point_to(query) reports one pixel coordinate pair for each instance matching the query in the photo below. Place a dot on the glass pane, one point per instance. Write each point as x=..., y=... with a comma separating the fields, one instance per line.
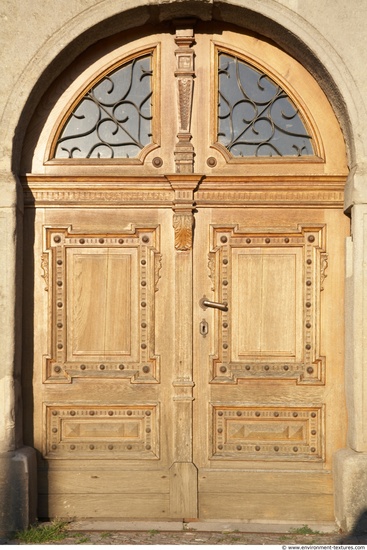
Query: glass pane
x=113, y=120
x=256, y=118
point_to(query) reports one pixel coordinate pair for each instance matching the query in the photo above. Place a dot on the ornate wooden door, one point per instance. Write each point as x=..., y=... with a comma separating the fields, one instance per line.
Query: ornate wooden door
x=184, y=349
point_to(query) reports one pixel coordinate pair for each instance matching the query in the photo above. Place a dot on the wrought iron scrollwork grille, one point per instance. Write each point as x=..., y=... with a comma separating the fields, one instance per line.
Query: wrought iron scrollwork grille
x=256, y=118
x=113, y=119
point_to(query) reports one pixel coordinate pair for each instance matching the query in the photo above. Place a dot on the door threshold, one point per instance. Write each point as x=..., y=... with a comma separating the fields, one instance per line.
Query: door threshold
x=241, y=526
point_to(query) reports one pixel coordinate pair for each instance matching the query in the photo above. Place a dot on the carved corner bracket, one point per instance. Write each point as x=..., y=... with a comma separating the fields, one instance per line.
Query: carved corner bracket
x=184, y=73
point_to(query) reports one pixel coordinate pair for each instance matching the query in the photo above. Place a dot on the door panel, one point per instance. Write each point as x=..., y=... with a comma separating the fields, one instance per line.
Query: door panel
x=272, y=380
x=103, y=421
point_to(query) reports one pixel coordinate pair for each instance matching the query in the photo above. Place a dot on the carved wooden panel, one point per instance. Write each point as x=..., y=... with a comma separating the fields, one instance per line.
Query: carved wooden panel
x=267, y=433
x=272, y=284
x=101, y=302
x=94, y=431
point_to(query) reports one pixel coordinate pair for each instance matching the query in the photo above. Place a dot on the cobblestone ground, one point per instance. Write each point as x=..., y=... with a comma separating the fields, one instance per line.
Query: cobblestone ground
x=201, y=538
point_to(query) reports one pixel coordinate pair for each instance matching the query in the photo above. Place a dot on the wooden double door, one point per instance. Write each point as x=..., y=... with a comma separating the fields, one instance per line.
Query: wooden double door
x=181, y=383
x=183, y=307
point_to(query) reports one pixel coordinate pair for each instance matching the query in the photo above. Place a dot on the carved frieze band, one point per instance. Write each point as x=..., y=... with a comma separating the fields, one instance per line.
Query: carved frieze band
x=184, y=150
x=72, y=354
x=305, y=246
x=91, y=431
x=267, y=433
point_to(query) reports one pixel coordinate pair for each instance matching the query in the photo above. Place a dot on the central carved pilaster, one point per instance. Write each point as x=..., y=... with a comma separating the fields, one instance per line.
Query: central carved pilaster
x=184, y=150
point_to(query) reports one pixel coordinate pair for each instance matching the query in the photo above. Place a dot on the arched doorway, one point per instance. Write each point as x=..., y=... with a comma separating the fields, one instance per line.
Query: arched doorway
x=188, y=266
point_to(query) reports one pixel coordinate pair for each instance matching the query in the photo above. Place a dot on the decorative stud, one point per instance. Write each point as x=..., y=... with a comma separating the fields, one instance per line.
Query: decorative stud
x=308, y=304
x=310, y=370
x=129, y=413
x=313, y=432
x=72, y=447
x=220, y=447
x=239, y=447
x=82, y=241
x=295, y=449
x=148, y=447
x=72, y=413
x=102, y=367
x=129, y=447
x=57, y=369
x=313, y=450
x=101, y=241
x=57, y=239
x=286, y=240
x=148, y=413
x=53, y=447
x=110, y=413
x=248, y=241
x=145, y=239
x=239, y=413
x=211, y=162
x=308, y=346
x=311, y=239
x=257, y=413
x=276, y=414
x=308, y=325
x=295, y=414
x=157, y=162
x=257, y=448
x=309, y=261
x=225, y=282
x=225, y=261
x=220, y=413
x=59, y=346
x=143, y=304
x=91, y=447
x=54, y=413
x=121, y=367
x=224, y=239
x=59, y=325
x=143, y=262
x=286, y=367
x=143, y=346
x=267, y=240
x=313, y=415
x=146, y=369
x=91, y=413
x=59, y=304
x=143, y=325
x=308, y=283
x=83, y=367
x=220, y=430
x=276, y=448
x=266, y=367
x=225, y=346
x=225, y=325
x=110, y=447
x=121, y=241
x=223, y=369
x=59, y=262
x=54, y=430
x=148, y=430
x=143, y=283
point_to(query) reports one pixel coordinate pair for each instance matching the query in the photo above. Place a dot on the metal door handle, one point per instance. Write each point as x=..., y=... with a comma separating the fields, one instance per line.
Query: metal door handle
x=204, y=303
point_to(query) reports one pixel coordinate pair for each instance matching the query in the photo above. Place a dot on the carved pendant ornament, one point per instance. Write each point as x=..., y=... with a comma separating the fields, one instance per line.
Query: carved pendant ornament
x=183, y=224
x=184, y=150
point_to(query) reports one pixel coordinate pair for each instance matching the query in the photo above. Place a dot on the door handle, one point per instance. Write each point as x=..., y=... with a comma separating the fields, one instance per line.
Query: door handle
x=204, y=303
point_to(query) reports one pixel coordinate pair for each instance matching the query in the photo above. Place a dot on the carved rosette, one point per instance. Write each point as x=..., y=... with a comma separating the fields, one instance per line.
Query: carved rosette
x=184, y=150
